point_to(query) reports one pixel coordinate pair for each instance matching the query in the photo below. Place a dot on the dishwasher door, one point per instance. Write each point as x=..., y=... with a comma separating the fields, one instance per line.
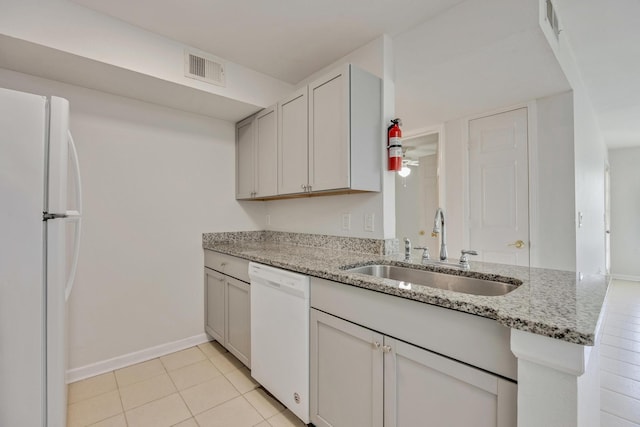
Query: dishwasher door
x=280, y=335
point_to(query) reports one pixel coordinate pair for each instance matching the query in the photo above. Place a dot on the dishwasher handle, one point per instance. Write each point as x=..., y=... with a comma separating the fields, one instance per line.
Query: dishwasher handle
x=281, y=280
x=281, y=287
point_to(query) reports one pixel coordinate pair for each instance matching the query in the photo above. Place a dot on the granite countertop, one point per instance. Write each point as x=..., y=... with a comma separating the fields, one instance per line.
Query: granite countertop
x=552, y=303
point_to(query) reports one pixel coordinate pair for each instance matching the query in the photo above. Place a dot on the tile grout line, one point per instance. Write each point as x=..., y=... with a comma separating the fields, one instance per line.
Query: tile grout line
x=621, y=417
x=180, y=394
x=616, y=360
x=620, y=393
x=617, y=313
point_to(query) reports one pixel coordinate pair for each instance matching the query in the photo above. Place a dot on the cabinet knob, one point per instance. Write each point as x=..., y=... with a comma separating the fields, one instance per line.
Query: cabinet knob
x=386, y=348
x=376, y=345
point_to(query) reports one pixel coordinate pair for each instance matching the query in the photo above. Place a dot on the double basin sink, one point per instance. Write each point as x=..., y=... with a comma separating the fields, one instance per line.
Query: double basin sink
x=408, y=276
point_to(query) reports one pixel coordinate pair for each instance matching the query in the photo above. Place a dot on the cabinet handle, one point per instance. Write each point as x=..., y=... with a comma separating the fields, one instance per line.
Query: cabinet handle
x=386, y=348
x=221, y=279
x=376, y=345
x=304, y=187
x=309, y=188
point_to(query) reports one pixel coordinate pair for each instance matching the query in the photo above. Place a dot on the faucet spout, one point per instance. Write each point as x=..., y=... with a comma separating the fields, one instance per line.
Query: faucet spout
x=440, y=228
x=407, y=249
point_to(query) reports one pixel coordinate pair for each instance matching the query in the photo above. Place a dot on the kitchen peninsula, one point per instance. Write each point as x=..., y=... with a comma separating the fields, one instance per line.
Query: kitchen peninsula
x=551, y=320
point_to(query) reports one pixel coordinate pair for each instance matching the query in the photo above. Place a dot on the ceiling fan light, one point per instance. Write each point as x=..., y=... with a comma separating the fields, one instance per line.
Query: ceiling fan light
x=404, y=172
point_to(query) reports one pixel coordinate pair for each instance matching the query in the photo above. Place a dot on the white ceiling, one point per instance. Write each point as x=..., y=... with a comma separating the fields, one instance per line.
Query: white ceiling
x=605, y=39
x=475, y=57
x=453, y=58
x=286, y=39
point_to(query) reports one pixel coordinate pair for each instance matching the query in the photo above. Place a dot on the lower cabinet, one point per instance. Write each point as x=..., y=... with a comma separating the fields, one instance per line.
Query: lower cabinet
x=228, y=313
x=214, y=298
x=346, y=377
x=360, y=377
x=237, y=337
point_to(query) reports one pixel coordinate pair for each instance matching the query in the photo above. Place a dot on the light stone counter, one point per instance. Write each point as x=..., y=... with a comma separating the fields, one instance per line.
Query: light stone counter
x=551, y=303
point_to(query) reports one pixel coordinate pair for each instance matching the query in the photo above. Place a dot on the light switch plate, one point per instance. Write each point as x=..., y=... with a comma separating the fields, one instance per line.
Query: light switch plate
x=346, y=221
x=369, y=220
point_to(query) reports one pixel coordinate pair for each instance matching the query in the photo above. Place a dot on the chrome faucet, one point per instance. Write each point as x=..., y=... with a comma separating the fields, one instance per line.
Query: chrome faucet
x=439, y=228
x=407, y=249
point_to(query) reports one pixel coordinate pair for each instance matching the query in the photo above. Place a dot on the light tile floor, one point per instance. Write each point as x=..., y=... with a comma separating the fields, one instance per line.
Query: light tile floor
x=202, y=386
x=620, y=357
x=205, y=386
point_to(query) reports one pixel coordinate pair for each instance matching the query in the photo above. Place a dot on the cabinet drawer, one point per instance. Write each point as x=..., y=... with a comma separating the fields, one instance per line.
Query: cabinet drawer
x=227, y=264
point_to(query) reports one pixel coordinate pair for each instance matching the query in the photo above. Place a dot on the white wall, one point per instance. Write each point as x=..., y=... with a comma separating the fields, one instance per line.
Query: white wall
x=590, y=157
x=553, y=227
x=154, y=180
x=551, y=181
x=625, y=212
x=58, y=23
x=323, y=215
x=590, y=165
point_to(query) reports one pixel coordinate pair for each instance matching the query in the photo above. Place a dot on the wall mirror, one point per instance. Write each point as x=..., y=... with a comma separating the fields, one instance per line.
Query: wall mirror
x=417, y=190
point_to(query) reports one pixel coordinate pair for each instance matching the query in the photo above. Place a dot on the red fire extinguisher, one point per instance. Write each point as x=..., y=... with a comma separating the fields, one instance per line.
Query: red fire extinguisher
x=394, y=145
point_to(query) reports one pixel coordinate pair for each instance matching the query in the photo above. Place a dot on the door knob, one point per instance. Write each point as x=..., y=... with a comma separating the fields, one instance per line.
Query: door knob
x=519, y=244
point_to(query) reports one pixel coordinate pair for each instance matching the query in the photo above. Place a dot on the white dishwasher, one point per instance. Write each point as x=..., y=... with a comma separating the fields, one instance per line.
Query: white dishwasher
x=280, y=335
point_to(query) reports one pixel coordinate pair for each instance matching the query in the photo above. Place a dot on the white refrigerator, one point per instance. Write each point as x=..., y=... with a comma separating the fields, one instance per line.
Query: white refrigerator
x=39, y=240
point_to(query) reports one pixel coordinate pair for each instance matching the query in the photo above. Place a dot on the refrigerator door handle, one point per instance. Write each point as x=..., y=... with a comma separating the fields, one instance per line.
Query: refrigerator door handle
x=75, y=216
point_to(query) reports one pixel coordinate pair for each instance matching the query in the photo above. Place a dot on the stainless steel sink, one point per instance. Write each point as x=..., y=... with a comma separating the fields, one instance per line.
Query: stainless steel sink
x=408, y=276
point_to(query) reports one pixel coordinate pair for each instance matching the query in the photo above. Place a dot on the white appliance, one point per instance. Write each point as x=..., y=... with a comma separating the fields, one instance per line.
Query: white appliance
x=280, y=335
x=36, y=275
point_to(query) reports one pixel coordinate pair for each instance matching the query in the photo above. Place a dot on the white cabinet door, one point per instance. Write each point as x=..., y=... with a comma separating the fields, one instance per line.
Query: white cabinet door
x=293, y=158
x=214, y=298
x=346, y=377
x=245, y=158
x=266, y=152
x=329, y=125
x=238, y=320
x=426, y=389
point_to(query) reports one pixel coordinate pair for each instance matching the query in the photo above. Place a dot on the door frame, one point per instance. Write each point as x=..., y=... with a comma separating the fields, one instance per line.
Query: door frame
x=607, y=218
x=532, y=154
x=440, y=174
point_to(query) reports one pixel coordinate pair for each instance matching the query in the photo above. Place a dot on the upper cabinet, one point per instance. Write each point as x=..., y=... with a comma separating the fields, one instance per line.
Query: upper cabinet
x=345, y=131
x=293, y=149
x=256, y=155
x=329, y=138
x=266, y=150
x=245, y=164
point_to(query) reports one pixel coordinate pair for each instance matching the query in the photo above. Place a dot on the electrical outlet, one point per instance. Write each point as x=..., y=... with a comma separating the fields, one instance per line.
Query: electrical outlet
x=346, y=221
x=369, y=220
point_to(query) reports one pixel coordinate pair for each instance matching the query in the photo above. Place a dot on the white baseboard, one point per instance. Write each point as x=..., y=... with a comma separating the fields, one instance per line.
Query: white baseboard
x=108, y=365
x=626, y=277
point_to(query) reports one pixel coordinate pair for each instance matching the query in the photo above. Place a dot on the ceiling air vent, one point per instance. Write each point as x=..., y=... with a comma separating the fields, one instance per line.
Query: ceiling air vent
x=552, y=19
x=203, y=67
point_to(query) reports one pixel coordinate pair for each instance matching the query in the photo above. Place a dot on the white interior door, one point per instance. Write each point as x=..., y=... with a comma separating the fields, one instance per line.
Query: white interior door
x=499, y=188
